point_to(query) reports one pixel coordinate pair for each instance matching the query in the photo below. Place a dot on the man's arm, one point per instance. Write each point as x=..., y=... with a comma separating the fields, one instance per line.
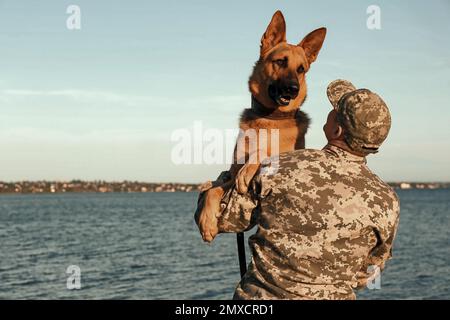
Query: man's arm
x=377, y=258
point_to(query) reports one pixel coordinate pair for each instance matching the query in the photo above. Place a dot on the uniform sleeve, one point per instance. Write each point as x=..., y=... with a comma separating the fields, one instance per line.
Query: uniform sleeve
x=240, y=211
x=382, y=252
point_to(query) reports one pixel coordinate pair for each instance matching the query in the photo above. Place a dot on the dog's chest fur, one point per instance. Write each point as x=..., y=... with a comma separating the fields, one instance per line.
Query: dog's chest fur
x=291, y=131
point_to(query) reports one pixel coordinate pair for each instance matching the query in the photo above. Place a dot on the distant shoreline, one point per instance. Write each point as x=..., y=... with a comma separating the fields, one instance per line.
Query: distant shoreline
x=78, y=186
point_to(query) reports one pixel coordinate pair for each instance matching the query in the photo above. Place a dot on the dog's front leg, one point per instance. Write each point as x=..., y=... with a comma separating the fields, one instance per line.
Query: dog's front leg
x=207, y=222
x=211, y=210
x=247, y=172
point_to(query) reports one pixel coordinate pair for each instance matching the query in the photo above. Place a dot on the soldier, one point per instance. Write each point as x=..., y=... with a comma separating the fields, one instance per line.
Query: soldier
x=323, y=217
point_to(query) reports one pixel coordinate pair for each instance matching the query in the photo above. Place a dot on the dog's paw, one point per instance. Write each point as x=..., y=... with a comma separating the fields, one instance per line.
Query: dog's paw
x=209, y=232
x=208, y=219
x=244, y=176
x=208, y=226
x=241, y=184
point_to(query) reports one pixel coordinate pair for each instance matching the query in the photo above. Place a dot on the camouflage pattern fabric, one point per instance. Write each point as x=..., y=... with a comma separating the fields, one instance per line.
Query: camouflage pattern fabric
x=362, y=113
x=337, y=89
x=323, y=217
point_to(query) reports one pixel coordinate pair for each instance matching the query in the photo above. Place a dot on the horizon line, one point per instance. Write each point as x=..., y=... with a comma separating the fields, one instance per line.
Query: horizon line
x=172, y=182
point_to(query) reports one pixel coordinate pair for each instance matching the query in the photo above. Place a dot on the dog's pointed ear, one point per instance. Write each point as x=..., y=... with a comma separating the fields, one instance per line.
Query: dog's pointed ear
x=275, y=33
x=312, y=43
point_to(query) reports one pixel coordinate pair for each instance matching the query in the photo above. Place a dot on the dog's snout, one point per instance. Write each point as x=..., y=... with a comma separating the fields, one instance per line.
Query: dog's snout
x=283, y=91
x=290, y=88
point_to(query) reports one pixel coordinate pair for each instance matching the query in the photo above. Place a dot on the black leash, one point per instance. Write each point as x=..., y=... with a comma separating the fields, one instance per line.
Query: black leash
x=241, y=253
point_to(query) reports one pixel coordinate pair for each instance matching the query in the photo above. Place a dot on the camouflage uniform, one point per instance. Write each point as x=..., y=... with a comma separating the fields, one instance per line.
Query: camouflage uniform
x=323, y=217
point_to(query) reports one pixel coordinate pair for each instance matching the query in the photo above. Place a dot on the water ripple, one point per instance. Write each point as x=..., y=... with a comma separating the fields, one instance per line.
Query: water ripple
x=146, y=246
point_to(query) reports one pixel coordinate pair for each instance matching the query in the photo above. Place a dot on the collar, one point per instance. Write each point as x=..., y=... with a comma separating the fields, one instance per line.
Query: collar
x=274, y=114
x=343, y=154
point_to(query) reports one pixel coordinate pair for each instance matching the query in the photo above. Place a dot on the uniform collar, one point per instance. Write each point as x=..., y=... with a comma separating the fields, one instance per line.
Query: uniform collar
x=341, y=153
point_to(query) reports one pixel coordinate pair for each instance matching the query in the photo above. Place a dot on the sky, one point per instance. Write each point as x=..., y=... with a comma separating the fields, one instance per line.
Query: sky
x=102, y=102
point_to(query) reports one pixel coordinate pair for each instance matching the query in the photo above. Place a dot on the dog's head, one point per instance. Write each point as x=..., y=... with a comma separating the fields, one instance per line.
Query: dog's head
x=278, y=78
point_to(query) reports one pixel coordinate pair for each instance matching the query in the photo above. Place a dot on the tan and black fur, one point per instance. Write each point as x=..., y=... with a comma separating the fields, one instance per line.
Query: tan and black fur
x=278, y=88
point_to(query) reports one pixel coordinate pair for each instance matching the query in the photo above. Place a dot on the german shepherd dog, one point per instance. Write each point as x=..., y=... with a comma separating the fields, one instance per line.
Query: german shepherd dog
x=278, y=88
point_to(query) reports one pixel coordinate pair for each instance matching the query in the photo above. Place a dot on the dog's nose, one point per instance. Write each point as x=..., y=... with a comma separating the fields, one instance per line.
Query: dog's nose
x=291, y=88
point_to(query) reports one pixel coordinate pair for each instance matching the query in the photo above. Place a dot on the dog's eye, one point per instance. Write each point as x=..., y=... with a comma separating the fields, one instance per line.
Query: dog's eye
x=301, y=69
x=281, y=62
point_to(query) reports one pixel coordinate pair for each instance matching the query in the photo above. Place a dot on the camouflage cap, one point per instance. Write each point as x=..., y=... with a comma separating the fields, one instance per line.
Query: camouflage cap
x=337, y=89
x=364, y=116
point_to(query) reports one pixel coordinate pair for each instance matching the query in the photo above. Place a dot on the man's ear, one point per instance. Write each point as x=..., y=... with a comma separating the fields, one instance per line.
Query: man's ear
x=339, y=132
x=312, y=43
x=275, y=33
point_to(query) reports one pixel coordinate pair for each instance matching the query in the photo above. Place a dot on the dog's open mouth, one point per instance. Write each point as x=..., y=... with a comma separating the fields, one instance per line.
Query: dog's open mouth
x=283, y=100
x=279, y=97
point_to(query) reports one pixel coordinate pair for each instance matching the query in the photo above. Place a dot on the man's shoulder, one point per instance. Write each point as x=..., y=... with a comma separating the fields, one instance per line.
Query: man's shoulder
x=381, y=199
x=385, y=191
x=305, y=158
x=375, y=183
x=288, y=162
x=303, y=154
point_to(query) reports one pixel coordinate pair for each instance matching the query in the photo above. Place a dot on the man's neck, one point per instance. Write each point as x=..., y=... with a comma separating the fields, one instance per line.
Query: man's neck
x=344, y=146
